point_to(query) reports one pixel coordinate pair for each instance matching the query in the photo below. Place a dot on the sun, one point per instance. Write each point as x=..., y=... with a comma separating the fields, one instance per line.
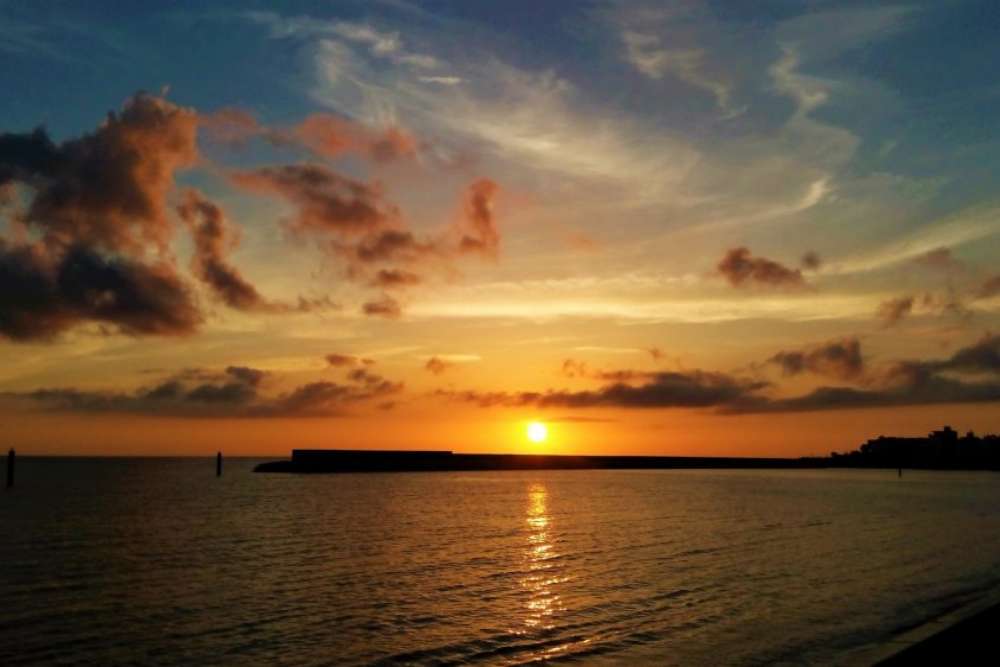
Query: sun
x=537, y=432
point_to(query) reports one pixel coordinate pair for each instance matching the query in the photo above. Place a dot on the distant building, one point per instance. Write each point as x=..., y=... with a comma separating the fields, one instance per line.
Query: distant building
x=941, y=449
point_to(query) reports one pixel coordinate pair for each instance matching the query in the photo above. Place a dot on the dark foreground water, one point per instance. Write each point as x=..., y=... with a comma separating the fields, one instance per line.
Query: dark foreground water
x=157, y=562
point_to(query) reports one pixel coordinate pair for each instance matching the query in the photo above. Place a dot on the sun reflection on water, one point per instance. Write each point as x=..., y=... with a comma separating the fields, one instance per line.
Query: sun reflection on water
x=542, y=575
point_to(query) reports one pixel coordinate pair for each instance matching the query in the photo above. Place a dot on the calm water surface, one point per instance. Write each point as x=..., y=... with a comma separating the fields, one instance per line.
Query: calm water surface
x=158, y=562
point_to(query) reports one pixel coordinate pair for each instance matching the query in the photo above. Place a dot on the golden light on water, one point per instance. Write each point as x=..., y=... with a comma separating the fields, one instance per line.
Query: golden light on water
x=540, y=581
x=537, y=432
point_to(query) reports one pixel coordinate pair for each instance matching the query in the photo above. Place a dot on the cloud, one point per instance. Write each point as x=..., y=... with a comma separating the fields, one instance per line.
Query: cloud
x=481, y=233
x=385, y=307
x=811, y=261
x=892, y=311
x=646, y=53
x=42, y=295
x=213, y=239
x=905, y=382
x=573, y=368
x=442, y=80
x=940, y=259
x=840, y=359
x=382, y=44
x=233, y=393
x=989, y=288
x=341, y=360
x=664, y=390
x=327, y=201
x=94, y=208
x=739, y=267
x=106, y=189
x=395, y=278
x=982, y=356
x=437, y=366
x=390, y=245
x=332, y=136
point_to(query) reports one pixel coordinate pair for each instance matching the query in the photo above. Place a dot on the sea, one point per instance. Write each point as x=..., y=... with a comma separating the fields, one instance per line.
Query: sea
x=157, y=562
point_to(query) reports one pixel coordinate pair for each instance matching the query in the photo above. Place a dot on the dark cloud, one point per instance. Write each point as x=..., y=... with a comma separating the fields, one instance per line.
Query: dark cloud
x=106, y=189
x=313, y=304
x=982, y=356
x=579, y=369
x=395, y=278
x=664, y=390
x=213, y=238
x=989, y=288
x=892, y=311
x=905, y=382
x=42, y=296
x=95, y=206
x=811, y=260
x=232, y=393
x=249, y=376
x=480, y=234
x=437, y=366
x=739, y=267
x=389, y=245
x=341, y=360
x=327, y=202
x=840, y=359
x=947, y=302
x=384, y=307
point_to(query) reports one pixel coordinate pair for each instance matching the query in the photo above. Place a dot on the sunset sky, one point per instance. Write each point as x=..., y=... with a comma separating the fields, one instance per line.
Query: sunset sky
x=706, y=228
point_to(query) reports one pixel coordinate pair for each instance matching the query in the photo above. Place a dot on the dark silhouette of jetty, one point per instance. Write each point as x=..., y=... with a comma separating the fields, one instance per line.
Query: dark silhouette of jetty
x=940, y=450
x=358, y=460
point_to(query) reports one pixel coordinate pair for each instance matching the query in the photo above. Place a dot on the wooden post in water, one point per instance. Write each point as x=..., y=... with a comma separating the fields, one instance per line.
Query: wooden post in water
x=218, y=464
x=10, y=467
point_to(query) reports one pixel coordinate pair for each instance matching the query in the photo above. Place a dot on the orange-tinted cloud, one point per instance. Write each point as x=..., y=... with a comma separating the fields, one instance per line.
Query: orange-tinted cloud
x=322, y=134
x=213, y=239
x=98, y=204
x=385, y=307
x=395, y=278
x=480, y=234
x=106, y=189
x=326, y=201
x=332, y=136
x=437, y=366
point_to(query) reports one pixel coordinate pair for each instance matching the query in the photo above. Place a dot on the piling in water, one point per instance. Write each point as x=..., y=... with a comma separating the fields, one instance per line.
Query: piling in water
x=10, y=467
x=218, y=464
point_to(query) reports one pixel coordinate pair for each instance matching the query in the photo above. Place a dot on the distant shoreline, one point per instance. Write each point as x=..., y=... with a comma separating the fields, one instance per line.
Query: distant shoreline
x=309, y=461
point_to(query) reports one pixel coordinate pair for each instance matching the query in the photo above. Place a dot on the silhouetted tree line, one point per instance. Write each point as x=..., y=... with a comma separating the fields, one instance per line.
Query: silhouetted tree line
x=940, y=450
